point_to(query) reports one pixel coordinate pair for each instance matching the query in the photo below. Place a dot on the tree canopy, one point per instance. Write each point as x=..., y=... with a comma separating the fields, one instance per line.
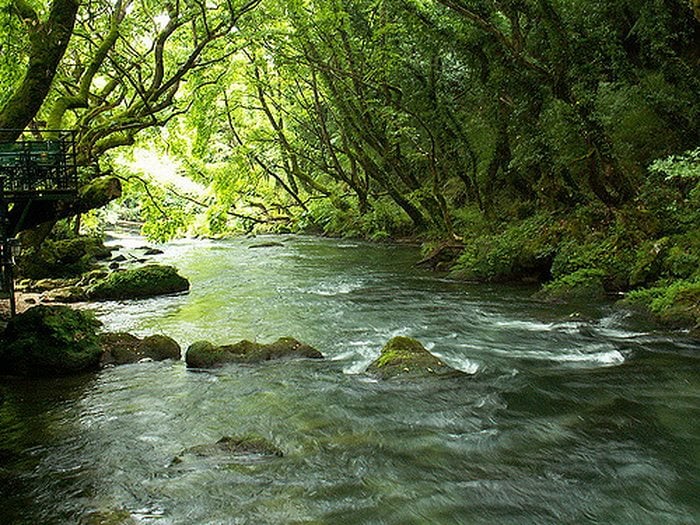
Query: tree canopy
x=374, y=117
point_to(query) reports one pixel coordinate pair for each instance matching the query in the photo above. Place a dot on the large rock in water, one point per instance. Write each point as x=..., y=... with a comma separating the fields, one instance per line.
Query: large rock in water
x=50, y=341
x=146, y=281
x=204, y=354
x=120, y=348
x=407, y=356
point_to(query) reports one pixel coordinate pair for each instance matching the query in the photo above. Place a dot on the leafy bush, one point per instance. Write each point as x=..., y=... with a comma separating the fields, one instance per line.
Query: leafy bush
x=582, y=284
x=675, y=304
x=340, y=217
x=524, y=251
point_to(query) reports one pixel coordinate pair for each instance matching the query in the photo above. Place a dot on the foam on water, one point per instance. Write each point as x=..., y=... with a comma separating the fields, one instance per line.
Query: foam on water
x=330, y=289
x=602, y=354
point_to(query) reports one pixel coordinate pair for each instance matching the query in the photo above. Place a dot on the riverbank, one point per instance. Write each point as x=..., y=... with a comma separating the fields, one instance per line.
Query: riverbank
x=23, y=302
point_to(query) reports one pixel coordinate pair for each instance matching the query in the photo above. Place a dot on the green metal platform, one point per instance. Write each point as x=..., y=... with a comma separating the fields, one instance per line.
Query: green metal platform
x=39, y=166
x=32, y=168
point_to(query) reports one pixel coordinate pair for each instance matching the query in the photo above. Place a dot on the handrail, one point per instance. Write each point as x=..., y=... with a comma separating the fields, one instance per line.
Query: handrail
x=31, y=165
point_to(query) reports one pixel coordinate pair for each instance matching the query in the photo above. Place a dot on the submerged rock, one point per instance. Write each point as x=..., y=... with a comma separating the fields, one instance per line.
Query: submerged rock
x=50, y=341
x=407, y=356
x=695, y=332
x=108, y=517
x=204, y=354
x=267, y=244
x=241, y=447
x=119, y=348
x=147, y=281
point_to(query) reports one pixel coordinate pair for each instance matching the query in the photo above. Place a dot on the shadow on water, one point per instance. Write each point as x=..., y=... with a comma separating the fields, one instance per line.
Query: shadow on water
x=34, y=415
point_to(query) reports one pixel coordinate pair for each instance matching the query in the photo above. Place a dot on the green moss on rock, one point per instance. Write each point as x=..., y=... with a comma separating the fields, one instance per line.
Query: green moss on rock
x=50, y=341
x=68, y=294
x=108, y=517
x=44, y=285
x=147, y=281
x=62, y=258
x=160, y=347
x=120, y=348
x=204, y=354
x=407, y=356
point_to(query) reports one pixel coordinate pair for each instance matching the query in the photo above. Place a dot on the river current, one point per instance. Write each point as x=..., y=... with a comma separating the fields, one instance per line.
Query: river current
x=576, y=414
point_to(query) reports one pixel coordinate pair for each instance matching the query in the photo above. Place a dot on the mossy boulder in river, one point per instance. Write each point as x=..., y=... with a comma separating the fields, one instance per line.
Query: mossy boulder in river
x=676, y=305
x=67, y=294
x=407, y=356
x=50, y=341
x=108, y=517
x=120, y=348
x=204, y=354
x=148, y=281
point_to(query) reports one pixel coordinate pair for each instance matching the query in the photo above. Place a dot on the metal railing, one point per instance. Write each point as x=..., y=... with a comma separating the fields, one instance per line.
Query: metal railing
x=39, y=165
x=36, y=165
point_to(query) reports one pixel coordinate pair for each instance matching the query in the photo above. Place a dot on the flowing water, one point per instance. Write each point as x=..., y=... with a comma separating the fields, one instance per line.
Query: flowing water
x=564, y=415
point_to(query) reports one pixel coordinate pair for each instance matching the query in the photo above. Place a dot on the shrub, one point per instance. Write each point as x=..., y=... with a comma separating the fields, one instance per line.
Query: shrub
x=675, y=304
x=585, y=284
x=50, y=341
x=524, y=251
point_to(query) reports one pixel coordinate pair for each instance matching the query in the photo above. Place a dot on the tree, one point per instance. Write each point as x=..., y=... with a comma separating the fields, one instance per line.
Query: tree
x=126, y=72
x=48, y=40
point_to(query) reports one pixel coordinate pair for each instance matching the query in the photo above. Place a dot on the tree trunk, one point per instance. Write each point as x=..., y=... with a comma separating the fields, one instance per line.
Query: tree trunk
x=48, y=41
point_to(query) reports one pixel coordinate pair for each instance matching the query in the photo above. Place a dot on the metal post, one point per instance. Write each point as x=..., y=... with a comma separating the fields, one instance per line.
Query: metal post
x=11, y=287
x=6, y=249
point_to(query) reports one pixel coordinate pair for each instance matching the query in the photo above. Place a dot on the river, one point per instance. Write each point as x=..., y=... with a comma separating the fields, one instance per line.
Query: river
x=576, y=414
